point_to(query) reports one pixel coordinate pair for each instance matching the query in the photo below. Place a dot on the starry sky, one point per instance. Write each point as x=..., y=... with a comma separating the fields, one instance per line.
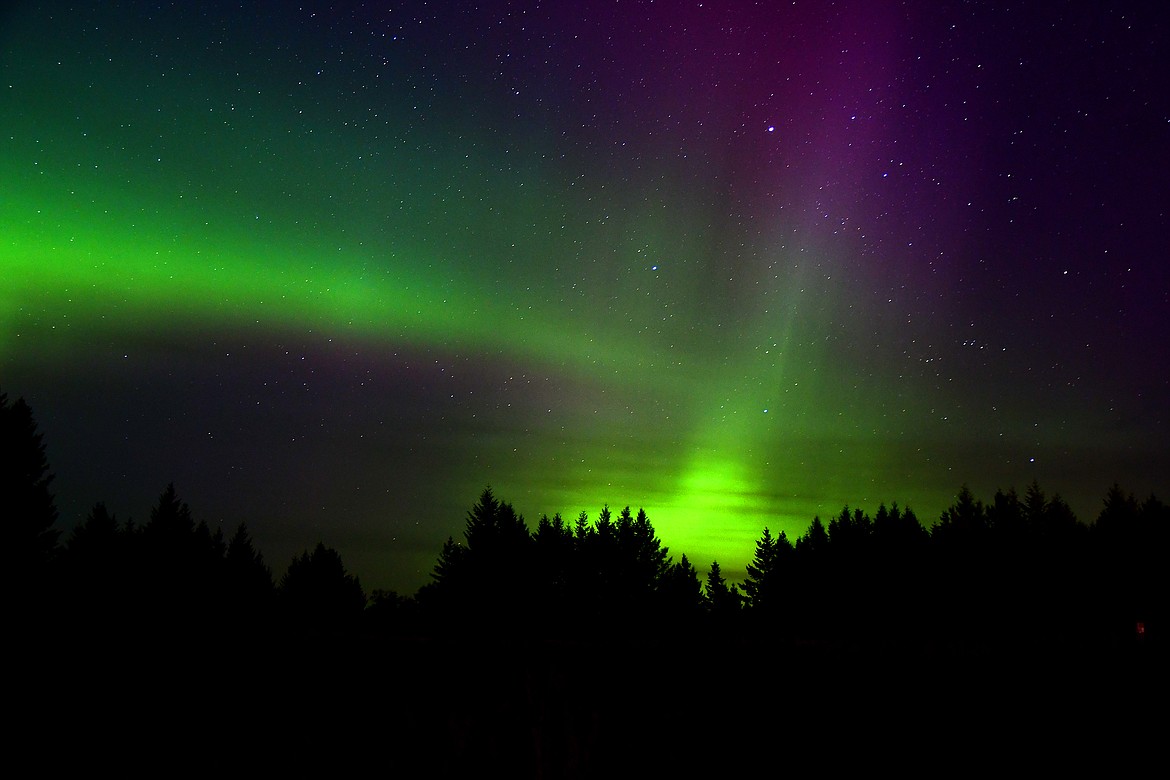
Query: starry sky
x=334, y=268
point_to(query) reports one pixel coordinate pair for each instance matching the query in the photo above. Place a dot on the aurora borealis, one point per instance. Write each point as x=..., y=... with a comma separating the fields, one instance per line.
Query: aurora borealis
x=333, y=269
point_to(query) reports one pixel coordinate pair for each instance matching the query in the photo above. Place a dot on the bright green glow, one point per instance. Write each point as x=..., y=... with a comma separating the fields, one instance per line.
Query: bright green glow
x=715, y=488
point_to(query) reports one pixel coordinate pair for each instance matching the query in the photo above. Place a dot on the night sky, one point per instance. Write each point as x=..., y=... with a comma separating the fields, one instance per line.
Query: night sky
x=334, y=269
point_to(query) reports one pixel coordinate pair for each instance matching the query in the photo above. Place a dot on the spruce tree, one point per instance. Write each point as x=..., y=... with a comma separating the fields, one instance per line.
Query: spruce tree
x=722, y=601
x=763, y=574
x=318, y=591
x=26, y=504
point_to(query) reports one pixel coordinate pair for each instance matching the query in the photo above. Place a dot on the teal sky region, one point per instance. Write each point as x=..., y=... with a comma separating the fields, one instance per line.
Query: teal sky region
x=332, y=269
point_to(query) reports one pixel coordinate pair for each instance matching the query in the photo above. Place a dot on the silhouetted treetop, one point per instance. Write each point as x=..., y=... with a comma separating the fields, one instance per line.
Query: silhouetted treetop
x=681, y=590
x=170, y=519
x=815, y=540
x=96, y=534
x=493, y=526
x=963, y=518
x=318, y=588
x=1120, y=514
x=895, y=527
x=26, y=504
x=244, y=566
x=723, y=601
x=450, y=569
x=763, y=585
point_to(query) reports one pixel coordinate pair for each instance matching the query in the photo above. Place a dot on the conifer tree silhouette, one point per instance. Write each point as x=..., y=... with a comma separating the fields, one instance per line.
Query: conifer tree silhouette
x=169, y=561
x=483, y=581
x=94, y=536
x=27, y=506
x=723, y=601
x=763, y=588
x=552, y=552
x=318, y=593
x=682, y=593
x=170, y=524
x=98, y=570
x=247, y=580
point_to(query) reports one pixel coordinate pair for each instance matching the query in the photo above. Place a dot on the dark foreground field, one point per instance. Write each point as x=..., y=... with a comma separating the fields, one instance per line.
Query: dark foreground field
x=429, y=708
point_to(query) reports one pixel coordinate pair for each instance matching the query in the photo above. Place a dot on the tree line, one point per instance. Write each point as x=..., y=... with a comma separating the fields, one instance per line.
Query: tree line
x=1020, y=568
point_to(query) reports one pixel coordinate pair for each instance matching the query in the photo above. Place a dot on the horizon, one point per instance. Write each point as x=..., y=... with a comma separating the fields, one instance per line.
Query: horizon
x=732, y=570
